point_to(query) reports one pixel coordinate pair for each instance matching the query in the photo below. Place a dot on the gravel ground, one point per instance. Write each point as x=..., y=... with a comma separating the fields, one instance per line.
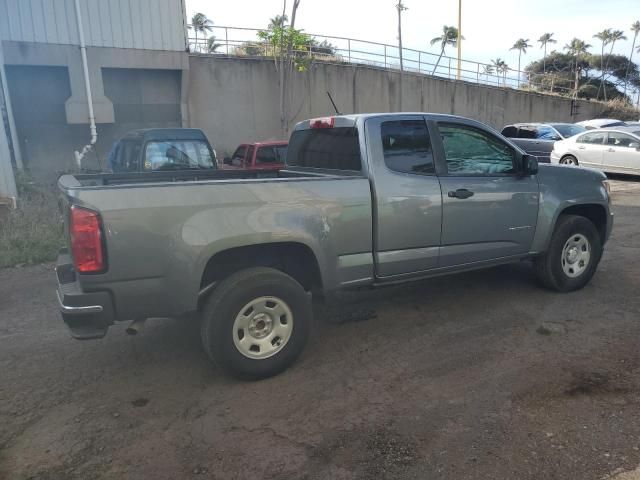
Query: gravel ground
x=481, y=375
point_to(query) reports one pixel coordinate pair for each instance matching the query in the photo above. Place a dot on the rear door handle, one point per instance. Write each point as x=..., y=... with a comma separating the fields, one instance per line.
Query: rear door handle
x=461, y=193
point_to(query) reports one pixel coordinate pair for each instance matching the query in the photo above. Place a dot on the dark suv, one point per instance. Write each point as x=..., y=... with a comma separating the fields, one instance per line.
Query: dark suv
x=538, y=138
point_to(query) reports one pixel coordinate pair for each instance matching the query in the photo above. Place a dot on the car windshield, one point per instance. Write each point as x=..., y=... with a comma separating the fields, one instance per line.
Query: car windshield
x=568, y=130
x=178, y=155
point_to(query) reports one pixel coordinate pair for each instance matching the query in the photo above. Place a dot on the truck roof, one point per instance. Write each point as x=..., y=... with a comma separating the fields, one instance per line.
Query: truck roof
x=149, y=134
x=268, y=143
x=350, y=120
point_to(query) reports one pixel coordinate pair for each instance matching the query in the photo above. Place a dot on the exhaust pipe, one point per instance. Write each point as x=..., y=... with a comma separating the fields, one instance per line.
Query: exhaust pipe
x=136, y=326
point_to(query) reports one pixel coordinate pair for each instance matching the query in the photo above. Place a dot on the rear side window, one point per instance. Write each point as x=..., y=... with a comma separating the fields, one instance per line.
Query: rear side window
x=510, y=131
x=528, y=131
x=266, y=155
x=330, y=148
x=407, y=146
x=125, y=156
x=596, y=138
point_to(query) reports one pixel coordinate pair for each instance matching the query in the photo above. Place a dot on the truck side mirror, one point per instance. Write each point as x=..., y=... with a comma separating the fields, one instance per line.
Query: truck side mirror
x=635, y=145
x=529, y=165
x=226, y=161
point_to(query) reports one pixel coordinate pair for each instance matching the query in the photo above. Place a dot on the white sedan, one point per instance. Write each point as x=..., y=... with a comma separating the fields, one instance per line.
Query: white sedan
x=609, y=150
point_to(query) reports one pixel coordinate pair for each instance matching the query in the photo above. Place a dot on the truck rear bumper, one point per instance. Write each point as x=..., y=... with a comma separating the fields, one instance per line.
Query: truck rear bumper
x=87, y=314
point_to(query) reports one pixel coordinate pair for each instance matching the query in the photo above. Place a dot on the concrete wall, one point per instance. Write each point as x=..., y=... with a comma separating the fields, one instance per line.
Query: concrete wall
x=140, y=98
x=140, y=24
x=235, y=100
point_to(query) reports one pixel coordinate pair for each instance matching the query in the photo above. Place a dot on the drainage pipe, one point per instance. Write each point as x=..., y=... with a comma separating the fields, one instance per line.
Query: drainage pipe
x=87, y=84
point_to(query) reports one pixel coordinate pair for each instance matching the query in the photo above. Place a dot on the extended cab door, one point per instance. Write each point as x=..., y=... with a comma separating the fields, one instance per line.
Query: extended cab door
x=407, y=196
x=489, y=209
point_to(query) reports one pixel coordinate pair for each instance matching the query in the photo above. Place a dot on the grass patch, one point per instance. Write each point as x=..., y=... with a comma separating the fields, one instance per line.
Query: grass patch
x=32, y=233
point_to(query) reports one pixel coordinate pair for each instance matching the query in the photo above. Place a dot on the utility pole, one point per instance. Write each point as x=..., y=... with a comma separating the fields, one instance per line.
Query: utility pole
x=459, y=37
x=400, y=8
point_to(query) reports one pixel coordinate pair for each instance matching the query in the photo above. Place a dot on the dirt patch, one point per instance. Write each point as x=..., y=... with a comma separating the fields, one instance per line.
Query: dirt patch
x=596, y=383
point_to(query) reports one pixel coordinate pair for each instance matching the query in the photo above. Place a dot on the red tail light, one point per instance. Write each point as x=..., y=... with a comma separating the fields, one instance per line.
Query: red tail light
x=324, y=122
x=86, y=241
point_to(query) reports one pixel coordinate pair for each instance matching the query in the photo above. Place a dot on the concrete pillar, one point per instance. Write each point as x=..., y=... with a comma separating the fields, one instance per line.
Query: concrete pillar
x=4, y=91
x=7, y=180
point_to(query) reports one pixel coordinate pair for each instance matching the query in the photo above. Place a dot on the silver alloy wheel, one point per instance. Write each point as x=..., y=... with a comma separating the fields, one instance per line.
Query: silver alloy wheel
x=570, y=161
x=576, y=255
x=263, y=327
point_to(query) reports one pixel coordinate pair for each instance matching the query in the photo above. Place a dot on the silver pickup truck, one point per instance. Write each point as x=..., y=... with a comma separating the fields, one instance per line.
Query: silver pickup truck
x=365, y=201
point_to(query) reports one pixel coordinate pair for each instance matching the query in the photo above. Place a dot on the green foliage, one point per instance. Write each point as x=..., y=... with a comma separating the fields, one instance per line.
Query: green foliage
x=33, y=232
x=279, y=38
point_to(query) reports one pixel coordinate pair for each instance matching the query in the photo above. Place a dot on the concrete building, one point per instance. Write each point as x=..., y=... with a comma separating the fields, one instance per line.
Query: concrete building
x=137, y=64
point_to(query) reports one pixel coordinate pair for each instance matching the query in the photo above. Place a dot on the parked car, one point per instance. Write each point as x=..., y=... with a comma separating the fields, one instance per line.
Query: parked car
x=158, y=149
x=609, y=150
x=601, y=123
x=538, y=138
x=367, y=201
x=258, y=156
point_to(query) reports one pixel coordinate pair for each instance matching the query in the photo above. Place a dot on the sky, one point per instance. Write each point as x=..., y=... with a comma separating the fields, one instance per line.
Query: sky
x=490, y=27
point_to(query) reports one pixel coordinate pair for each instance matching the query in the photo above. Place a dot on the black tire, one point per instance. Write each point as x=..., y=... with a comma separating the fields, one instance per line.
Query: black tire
x=565, y=160
x=227, y=301
x=549, y=267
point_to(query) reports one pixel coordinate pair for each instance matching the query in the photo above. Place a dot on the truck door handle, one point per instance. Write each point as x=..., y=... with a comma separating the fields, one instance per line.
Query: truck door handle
x=611, y=149
x=581, y=147
x=460, y=193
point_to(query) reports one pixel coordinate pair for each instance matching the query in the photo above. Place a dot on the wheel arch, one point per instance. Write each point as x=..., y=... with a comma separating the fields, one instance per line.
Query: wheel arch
x=292, y=258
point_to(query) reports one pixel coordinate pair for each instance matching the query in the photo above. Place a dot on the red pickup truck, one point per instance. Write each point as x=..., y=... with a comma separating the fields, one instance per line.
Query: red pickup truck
x=258, y=156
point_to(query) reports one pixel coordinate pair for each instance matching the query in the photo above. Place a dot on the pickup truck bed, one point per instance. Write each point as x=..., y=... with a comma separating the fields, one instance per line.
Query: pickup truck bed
x=367, y=200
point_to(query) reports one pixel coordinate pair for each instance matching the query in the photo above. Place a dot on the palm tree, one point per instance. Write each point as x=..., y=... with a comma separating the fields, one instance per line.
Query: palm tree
x=200, y=23
x=615, y=36
x=487, y=70
x=449, y=37
x=544, y=39
x=212, y=46
x=277, y=22
x=501, y=68
x=635, y=28
x=521, y=45
x=605, y=38
x=577, y=48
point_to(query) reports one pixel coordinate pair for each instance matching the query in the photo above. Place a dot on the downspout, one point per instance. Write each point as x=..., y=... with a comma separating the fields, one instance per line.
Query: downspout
x=87, y=84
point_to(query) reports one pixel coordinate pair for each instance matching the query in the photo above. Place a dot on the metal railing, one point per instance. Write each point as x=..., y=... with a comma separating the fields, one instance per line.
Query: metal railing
x=245, y=42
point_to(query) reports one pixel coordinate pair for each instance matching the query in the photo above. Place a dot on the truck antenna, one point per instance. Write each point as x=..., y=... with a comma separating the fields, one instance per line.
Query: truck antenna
x=334, y=104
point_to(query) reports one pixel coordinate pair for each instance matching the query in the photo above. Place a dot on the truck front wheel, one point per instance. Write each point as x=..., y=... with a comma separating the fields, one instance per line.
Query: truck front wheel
x=573, y=255
x=256, y=323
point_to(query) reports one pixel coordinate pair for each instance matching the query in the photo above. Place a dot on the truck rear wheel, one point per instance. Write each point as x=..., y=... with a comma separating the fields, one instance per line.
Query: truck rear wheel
x=573, y=255
x=256, y=323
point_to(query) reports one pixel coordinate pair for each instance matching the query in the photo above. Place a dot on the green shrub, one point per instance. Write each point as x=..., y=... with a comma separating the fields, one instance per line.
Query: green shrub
x=33, y=232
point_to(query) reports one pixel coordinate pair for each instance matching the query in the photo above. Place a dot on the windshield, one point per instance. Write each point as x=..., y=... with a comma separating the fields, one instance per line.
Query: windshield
x=178, y=155
x=568, y=130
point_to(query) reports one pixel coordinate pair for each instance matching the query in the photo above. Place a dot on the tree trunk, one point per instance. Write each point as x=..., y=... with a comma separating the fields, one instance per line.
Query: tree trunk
x=604, y=87
x=601, y=71
x=438, y=61
x=286, y=94
x=519, y=55
x=626, y=76
x=544, y=60
x=283, y=129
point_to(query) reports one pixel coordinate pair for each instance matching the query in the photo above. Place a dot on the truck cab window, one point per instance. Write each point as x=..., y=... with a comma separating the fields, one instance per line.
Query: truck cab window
x=407, y=146
x=266, y=155
x=471, y=151
x=176, y=155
